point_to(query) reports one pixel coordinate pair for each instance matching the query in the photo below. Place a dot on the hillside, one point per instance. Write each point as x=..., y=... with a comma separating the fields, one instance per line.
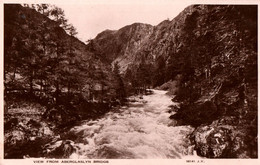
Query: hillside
x=49, y=56
x=51, y=79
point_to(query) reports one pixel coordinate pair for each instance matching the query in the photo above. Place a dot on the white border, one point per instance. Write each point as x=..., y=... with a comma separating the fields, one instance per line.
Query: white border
x=121, y=161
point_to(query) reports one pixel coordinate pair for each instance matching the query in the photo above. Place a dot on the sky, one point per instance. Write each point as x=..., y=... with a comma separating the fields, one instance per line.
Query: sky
x=93, y=18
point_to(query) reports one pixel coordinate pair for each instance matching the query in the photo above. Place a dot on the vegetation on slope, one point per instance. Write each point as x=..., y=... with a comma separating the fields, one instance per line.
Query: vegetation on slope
x=51, y=79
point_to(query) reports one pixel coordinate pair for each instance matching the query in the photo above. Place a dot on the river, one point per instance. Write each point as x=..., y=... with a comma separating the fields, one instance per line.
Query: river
x=141, y=130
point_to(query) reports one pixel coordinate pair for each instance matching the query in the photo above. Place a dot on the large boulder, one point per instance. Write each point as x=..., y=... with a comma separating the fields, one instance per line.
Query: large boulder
x=224, y=139
x=59, y=149
x=212, y=142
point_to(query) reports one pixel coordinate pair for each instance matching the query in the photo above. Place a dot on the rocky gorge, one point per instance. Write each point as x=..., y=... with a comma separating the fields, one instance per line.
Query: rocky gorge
x=209, y=54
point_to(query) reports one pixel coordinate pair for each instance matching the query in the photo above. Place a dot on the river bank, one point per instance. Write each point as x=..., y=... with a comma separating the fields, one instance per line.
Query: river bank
x=29, y=126
x=141, y=129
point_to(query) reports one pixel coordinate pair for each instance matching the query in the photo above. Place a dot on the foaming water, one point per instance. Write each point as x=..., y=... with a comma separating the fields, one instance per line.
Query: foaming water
x=141, y=130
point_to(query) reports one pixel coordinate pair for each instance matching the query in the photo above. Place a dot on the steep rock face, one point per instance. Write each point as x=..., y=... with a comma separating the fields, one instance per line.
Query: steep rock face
x=222, y=59
x=129, y=44
x=122, y=45
x=198, y=23
x=220, y=68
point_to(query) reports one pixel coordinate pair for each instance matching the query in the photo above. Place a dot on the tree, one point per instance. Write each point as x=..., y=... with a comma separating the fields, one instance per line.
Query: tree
x=44, y=9
x=188, y=55
x=119, y=85
x=58, y=15
x=70, y=68
x=59, y=60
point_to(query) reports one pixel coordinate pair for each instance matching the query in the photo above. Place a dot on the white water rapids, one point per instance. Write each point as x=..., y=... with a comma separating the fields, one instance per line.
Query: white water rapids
x=138, y=131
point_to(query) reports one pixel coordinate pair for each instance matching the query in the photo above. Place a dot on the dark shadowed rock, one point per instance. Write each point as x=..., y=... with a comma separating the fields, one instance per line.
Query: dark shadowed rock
x=196, y=114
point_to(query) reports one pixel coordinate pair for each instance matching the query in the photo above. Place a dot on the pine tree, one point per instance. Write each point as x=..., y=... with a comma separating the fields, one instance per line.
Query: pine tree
x=119, y=85
x=60, y=46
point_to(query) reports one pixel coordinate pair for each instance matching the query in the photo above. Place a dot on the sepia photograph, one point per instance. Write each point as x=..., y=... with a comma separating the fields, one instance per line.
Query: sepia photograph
x=128, y=80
